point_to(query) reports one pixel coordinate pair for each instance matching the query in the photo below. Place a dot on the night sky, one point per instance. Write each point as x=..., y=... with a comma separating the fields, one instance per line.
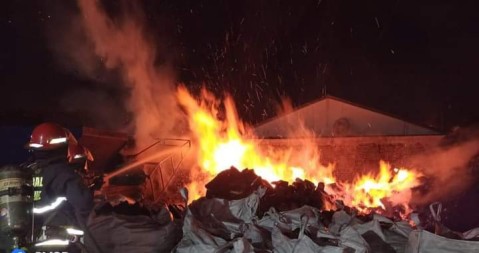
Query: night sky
x=414, y=59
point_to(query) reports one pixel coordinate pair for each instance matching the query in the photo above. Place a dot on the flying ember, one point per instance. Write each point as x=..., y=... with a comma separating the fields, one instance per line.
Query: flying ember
x=225, y=142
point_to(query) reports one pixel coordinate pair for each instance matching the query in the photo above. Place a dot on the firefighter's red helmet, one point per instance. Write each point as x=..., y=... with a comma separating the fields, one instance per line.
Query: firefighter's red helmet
x=48, y=136
x=78, y=153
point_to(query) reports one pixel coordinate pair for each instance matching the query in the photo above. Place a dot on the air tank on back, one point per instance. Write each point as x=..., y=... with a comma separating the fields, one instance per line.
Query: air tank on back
x=15, y=203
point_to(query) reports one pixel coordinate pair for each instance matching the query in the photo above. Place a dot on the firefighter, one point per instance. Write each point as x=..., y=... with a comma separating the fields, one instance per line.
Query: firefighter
x=61, y=198
x=80, y=158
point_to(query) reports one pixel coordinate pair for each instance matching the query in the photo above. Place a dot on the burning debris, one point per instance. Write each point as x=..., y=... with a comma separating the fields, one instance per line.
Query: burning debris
x=287, y=201
x=235, y=224
x=229, y=142
x=290, y=202
x=241, y=212
x=232, y=185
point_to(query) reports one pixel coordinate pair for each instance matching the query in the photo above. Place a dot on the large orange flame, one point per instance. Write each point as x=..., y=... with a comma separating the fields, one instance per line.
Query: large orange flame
x=370, y=191
x=228, y=142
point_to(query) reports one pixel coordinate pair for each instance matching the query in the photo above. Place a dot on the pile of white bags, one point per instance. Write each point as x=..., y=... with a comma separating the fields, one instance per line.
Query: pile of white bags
x=219, y=225
x=423, y=241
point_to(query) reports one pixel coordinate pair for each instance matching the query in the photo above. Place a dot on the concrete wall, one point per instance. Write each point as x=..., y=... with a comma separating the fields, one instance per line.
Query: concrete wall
x=359, y=155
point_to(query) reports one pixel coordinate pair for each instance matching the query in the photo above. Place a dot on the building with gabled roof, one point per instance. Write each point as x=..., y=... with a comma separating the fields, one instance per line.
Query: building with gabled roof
x=331, y=116
x=353, y=137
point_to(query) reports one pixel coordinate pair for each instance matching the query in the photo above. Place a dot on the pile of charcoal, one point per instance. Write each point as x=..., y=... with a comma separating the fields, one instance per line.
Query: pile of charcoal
x=234, y=184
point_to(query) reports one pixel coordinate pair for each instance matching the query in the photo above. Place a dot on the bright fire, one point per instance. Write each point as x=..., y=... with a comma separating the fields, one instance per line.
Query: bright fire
x=228, y=142
x=370, y=191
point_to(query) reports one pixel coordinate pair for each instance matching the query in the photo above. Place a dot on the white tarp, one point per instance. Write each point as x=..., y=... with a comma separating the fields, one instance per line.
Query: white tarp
x=218, y=225
x=422, y=241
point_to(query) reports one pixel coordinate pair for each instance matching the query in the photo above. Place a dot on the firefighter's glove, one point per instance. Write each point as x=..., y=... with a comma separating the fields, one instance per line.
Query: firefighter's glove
x=97, y=183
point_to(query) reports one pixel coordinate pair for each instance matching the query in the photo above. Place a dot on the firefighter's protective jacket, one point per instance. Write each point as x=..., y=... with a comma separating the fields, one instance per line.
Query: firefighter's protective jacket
x=56, y=179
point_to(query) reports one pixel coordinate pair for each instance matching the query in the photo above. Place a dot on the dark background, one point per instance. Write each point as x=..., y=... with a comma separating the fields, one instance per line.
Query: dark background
x=414, y=59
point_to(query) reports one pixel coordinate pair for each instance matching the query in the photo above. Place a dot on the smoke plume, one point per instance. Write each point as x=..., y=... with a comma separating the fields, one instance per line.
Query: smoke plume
x=97, y=107
x=123, y=45
x=448, y=169
x=102, y=47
